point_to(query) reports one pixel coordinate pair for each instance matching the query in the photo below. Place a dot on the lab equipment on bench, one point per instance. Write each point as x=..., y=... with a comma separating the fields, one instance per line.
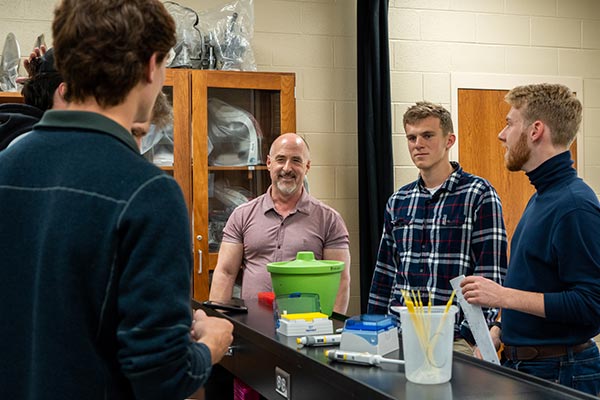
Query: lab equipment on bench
x=303, y=324
x=360, y=358
x=477, y=324
x=371, y=333
x=427, y=338
x=319, y=340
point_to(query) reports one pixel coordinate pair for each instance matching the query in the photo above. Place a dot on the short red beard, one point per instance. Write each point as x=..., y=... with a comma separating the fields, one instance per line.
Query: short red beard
x=519, y=154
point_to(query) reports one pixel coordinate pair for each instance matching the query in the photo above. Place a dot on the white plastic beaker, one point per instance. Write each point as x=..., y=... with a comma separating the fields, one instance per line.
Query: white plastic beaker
x=427, y=338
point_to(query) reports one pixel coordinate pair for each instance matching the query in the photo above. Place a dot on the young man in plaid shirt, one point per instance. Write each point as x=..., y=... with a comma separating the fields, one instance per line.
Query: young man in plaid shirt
x=445, y=224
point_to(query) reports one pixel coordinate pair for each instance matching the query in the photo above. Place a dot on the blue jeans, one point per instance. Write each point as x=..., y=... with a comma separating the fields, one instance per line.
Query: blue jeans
x=579, y=371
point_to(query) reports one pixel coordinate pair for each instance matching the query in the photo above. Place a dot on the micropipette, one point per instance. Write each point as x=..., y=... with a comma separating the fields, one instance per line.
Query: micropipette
x=360, y=358
x=318, y=340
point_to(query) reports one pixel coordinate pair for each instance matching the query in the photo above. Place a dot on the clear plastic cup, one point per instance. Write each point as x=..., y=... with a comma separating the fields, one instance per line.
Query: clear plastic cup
x=427, y=339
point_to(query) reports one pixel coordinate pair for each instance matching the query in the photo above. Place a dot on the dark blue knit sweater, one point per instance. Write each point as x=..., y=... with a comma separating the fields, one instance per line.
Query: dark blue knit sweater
x=15, y=120
x=95, y=266
x=556, y=251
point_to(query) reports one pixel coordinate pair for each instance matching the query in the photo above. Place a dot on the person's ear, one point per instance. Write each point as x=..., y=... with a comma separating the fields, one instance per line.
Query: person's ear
x=450, y=140
x=58, y=98
x=62, y=89
x=538, y=130
x=152, y=68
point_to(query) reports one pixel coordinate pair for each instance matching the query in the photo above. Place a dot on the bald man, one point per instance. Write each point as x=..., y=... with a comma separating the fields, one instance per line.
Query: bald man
x=275, y=226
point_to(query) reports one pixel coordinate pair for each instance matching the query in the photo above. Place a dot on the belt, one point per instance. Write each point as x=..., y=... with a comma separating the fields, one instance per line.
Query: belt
x=524, y=353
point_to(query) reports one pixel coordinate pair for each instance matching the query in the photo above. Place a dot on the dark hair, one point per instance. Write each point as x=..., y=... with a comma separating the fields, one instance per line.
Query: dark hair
x=103, y=47
x=44, y=79
x=425, y=109
x=38, y=91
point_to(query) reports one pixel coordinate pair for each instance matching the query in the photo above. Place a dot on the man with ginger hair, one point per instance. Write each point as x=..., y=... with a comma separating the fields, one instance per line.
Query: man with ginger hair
x=95, y=242
x=551, y=296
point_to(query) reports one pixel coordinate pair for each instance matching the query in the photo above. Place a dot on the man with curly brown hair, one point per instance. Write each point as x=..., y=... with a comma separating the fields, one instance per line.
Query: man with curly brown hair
x=95, y=242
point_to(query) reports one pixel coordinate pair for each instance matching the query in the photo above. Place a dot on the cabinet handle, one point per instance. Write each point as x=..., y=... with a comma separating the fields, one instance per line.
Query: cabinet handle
x=199, y=238
x=199, y=262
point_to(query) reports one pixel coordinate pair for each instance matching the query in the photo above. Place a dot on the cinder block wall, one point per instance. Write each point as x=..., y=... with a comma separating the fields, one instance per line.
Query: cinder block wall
x=429, y=39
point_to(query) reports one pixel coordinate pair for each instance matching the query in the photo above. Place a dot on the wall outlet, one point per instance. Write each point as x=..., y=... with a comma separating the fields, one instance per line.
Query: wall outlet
x=283, y=383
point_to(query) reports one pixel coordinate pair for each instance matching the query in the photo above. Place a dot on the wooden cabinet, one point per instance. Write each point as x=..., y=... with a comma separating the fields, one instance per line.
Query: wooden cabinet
x=11, y=97
x=177, y=88
x=224, y=124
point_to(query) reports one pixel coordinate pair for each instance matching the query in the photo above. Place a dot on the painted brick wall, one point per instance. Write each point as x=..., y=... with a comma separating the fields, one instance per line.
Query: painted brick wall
x=430, y=39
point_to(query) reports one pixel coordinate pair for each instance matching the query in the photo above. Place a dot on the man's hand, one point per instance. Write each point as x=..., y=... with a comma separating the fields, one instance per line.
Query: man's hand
x=487, y=293
x=216, y=333
x=482, y=291
x=31, y=62
x=495, y=334
x=36, y=54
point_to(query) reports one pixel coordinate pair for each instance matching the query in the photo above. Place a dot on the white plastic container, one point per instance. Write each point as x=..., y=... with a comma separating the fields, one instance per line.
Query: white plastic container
x=427, y=340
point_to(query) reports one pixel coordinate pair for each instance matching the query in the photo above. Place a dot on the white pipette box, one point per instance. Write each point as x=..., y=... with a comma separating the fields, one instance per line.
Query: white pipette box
x=371, y=333
x=304, y=324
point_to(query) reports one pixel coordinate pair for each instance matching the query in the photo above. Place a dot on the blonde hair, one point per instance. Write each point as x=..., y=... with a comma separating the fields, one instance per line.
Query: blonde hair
x=553, y=104
x=162, y=112
x=425, y=109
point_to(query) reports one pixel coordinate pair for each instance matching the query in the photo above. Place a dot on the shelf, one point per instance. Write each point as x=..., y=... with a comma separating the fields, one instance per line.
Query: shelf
x=239, y=168
x=11, y=97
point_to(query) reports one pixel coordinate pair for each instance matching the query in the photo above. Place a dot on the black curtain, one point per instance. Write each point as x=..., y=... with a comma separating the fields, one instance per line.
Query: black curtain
x=375, y=160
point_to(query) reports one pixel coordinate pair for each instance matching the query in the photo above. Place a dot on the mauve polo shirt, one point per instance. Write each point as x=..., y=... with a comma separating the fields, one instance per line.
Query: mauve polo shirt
x=268, y=237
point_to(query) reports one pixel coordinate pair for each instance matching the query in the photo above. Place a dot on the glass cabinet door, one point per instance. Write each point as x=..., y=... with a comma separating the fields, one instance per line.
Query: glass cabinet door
x=169, y=147
x=240, y=114
x=242, y=124
x=158, y=144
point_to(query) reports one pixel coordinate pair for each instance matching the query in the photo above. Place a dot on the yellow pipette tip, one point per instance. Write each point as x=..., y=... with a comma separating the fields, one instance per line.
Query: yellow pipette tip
x=449, y=303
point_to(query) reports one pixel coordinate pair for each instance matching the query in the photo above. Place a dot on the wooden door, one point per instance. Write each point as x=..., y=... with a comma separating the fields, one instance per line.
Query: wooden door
x=481, y=116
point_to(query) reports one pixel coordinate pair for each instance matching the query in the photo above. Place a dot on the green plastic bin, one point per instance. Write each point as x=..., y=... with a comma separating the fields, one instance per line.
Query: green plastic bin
x=307, y=275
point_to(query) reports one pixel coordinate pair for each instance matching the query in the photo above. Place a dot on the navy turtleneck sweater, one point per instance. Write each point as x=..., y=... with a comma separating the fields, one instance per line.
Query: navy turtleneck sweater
x=556, y=251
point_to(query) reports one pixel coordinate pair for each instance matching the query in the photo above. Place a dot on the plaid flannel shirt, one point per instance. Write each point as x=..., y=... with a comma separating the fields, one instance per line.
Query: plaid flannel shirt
x=429, y=239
